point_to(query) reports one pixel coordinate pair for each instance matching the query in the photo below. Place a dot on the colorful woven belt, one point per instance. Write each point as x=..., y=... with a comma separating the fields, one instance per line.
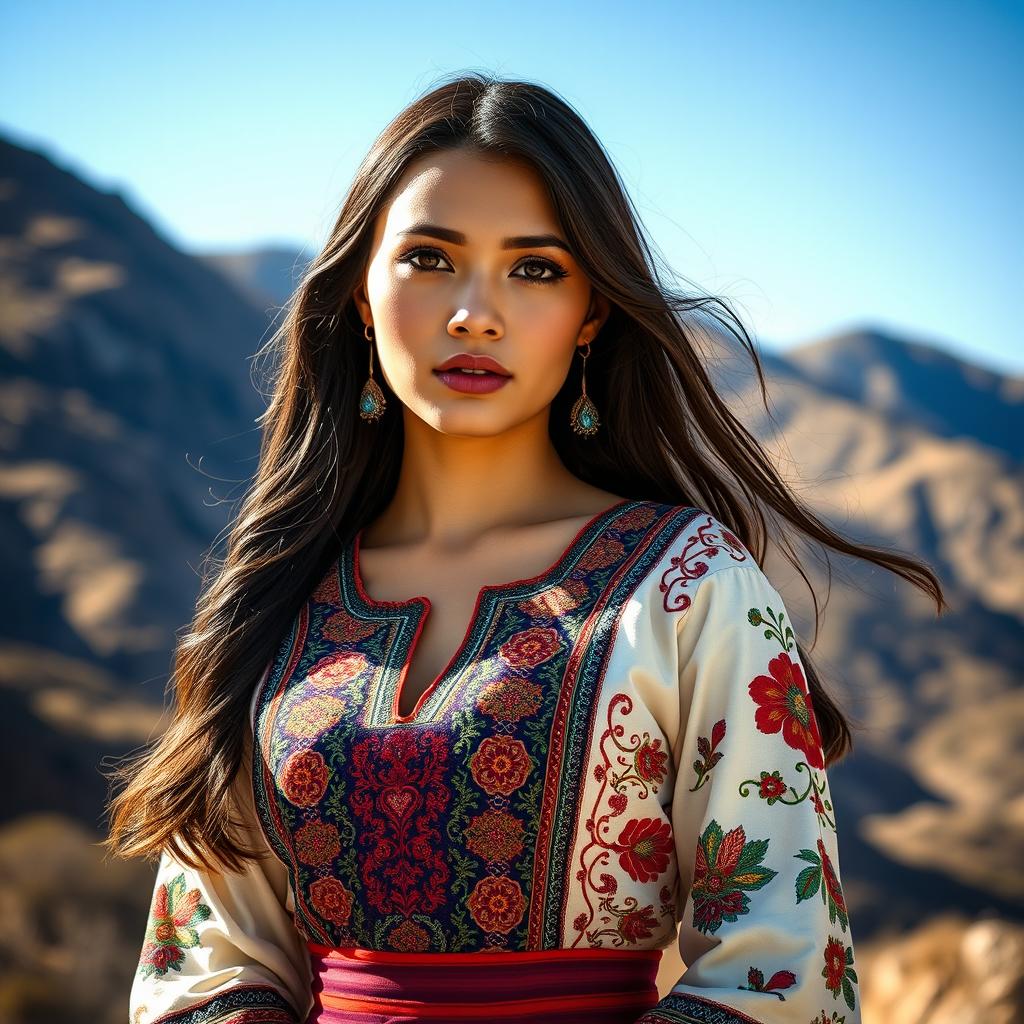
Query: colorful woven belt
x=556, y=986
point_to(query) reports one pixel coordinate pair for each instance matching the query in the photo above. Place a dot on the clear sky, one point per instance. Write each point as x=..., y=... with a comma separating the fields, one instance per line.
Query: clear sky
x=822, y=165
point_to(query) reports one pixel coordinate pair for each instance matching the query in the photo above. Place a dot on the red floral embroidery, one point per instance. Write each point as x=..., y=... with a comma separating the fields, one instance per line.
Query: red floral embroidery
x=838, y=971
x=304, y=778
x=638, y=924
x=707, y=541
x=780, y=979
x=317, y=843
x=344, y=628
x=771, y=787
x=497, y=904
x=709, y=754
x=835, y=965
x=509, y=699
x=495, y=835
x=171, y=931
x=638, y=518
x=313, y=716
x=556, y=601
x=409, y=937
x=530, y=647
x=500, y=765
x=337, y=669
x=644, y=848
x=821, y=876
x=724, y=866
x=651, y=762
x=327, y=591
x=603, y=552
x=399, y=797
x=331, y=900
x=832, y=885
x=785, y=706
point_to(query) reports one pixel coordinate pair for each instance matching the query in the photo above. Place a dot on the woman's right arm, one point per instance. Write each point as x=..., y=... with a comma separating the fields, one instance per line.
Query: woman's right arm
x=223, y=946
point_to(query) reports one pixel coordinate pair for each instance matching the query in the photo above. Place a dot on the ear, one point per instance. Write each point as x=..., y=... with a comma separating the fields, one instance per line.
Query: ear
x=362, y=302
x=600, y=309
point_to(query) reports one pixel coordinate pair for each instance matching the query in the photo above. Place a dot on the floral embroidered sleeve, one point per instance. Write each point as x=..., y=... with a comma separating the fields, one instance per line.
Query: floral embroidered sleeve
x=221, y=947
x=765, y=934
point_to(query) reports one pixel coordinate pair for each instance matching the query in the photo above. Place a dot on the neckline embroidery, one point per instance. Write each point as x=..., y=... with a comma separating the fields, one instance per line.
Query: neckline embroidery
x=584, y=536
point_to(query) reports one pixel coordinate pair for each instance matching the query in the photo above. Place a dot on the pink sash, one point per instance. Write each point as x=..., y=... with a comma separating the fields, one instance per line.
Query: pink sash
x=556, y=986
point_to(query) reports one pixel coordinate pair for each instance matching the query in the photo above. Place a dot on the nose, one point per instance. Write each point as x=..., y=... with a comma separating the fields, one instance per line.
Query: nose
x=465, y=324
x=476, y=317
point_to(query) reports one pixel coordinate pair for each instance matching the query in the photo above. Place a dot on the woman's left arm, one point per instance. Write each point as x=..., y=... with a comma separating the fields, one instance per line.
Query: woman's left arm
x=765, y=933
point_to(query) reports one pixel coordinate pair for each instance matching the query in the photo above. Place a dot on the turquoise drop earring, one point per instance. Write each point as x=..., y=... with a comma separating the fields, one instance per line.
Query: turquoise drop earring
x=371, y=400
x=584, y=419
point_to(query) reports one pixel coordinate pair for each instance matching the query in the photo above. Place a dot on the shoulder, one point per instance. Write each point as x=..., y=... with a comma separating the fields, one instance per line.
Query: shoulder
x=690, y=547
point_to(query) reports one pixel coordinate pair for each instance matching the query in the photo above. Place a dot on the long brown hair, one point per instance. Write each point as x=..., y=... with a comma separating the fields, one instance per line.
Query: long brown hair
x=323, y=472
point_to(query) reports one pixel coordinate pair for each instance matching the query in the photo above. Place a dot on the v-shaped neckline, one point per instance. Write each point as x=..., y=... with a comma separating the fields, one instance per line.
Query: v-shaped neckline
x=422, y=601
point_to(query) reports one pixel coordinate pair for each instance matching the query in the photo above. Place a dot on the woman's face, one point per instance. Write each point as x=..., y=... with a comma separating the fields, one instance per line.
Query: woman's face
x=468, y=257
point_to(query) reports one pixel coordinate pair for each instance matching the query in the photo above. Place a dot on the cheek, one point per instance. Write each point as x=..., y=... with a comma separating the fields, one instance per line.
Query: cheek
x=412, y=317
x=402, y=313
x=547, y=330
x=554, y=321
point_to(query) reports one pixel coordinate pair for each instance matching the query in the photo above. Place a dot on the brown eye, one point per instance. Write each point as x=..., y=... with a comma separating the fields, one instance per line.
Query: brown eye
x=539, y=265
x=422, y=253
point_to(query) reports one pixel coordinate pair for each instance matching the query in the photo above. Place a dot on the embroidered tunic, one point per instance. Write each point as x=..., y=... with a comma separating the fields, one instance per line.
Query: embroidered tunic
x=620, y=745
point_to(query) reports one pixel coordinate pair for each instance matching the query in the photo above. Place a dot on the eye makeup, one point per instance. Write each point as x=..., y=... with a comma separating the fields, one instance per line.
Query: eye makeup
x=556, y=272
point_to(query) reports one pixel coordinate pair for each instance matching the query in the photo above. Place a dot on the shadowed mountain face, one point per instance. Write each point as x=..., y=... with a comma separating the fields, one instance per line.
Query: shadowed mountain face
x=125, y=398
x=124, y=366
x=919, y=385
x=126, y=409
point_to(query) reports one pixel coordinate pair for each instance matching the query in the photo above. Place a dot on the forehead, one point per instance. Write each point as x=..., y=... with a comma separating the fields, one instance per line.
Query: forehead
x=486, y=198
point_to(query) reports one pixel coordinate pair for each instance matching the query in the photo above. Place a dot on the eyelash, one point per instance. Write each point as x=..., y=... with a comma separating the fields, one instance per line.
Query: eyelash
x=557, y=272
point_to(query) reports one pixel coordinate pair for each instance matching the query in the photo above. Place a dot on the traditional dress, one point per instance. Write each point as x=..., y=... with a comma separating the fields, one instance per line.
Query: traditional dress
x=620, y=744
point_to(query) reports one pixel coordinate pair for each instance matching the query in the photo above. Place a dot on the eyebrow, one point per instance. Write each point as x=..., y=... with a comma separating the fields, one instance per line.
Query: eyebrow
x=514, y=242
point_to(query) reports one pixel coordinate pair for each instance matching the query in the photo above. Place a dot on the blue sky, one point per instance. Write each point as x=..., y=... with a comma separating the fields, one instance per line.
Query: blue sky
x=822, y=166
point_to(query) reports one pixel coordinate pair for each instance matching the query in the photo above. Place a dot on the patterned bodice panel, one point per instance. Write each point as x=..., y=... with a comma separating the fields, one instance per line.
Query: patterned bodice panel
x=452, y=830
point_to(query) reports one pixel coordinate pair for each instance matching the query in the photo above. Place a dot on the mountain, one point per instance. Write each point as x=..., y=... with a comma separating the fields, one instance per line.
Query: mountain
x=268, y=276
x=127, y=418
x=916, y=384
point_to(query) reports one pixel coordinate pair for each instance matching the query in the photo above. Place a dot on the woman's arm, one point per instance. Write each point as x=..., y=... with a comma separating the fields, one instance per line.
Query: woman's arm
x=765, y=933
x=222, y=946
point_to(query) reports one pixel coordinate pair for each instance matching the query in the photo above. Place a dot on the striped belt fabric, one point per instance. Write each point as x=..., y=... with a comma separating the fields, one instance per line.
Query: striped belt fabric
x=554, y=986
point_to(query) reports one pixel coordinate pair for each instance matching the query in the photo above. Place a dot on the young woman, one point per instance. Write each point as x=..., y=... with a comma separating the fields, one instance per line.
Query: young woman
x=490, y=692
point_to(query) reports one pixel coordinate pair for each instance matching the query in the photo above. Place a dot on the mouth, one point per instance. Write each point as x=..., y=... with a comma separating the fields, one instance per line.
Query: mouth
x=472, y=373
x=472, y=381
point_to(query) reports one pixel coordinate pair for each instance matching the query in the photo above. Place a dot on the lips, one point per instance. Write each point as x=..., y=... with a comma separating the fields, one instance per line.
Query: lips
x=466, y=371
x=468, y=361
x=472, y=383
